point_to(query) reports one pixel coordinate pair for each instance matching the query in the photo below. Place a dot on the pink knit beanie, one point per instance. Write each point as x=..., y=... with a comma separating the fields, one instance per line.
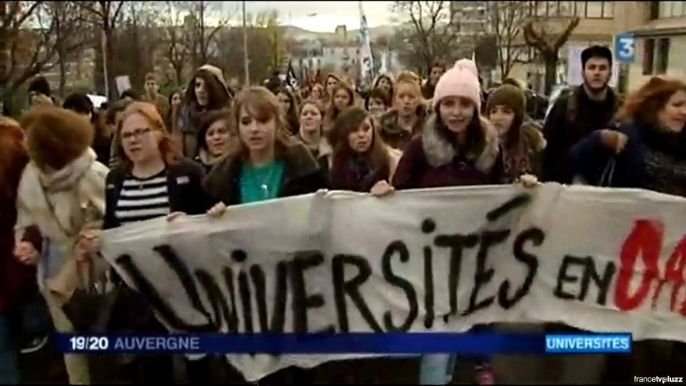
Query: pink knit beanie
x=461, y=81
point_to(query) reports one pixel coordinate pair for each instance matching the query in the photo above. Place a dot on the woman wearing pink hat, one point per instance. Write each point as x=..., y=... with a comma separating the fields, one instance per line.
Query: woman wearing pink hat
x=457, y=147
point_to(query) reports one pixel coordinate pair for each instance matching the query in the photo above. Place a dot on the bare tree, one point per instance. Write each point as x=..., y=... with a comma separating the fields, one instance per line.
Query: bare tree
x=547, y=38
x=265, y=42
x=29, y=40
x=429, y=36
x=138, y=41
x=508, y=19
x=71, y=34
x=202, y=26
x=106, y=14
x=176, y=52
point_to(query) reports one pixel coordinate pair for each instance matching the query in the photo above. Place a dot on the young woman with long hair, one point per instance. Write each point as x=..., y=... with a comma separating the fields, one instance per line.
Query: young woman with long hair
x=406, y=118
x=332, y=80
x=289, y=105
x=215, y=139
x=360, y=157
x=175, y=103
x=647, y=146
x=318, y=94
x=17, y=280
x=457, y=147
x=521, y=143
x=384, y=82
x=207, y=91
x=152, y=180
x=265, y=164
x=343, y=96
x=310, y=130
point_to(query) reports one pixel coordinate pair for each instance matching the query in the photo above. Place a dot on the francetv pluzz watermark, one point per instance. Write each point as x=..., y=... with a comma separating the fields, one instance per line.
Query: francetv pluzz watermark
x=666, y=379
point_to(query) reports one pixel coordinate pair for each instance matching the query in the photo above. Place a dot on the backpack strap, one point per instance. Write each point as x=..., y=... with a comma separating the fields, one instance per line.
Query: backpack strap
x=572, y=106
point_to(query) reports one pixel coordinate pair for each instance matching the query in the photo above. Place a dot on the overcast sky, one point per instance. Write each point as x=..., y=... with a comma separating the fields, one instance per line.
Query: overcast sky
x=320, y=16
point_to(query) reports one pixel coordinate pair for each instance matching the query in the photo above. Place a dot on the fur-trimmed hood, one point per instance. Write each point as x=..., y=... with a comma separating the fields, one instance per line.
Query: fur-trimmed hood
x=439, y=152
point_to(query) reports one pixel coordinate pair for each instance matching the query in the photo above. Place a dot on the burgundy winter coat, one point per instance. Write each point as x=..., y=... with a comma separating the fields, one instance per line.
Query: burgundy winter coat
x=430, y=162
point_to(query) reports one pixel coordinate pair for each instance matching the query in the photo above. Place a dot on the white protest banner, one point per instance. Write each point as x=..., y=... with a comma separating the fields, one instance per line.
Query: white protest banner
x=428, y=260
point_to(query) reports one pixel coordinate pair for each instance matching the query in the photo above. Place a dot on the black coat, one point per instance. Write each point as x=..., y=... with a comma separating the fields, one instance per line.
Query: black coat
x=184, y=184
x=302, y=175
x=573, y=116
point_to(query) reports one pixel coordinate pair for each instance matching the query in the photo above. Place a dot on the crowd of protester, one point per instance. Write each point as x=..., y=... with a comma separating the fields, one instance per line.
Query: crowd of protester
x=69, y=172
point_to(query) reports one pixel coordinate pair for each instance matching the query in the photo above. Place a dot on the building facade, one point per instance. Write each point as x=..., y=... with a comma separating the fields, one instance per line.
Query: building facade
x=600, y=22
x=660, y=44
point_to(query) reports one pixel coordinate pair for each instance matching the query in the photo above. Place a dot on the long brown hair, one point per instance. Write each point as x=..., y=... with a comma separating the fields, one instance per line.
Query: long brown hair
x=348, y=122
x=643, y=105
x=333, y=111
x=13, y=157
x=152, y=115
x=292, y=117
x=475, y=142
x=326, y=80
x=218, y=95
x=263, y=106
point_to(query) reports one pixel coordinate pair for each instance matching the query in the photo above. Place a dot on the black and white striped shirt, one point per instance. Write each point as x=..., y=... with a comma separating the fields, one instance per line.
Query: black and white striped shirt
x=143, y=199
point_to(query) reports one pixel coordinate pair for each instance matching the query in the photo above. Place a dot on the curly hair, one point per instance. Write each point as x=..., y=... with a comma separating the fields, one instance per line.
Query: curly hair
x=643, y=105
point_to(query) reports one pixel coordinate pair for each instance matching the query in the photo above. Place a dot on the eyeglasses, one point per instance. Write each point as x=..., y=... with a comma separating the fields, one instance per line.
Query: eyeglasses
x=138, y=133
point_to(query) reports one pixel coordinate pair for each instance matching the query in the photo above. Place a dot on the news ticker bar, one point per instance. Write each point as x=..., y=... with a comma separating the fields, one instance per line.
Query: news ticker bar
x=352, y=343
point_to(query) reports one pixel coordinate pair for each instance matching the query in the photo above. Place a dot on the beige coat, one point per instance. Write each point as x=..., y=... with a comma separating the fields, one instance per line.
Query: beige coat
x=61, y=214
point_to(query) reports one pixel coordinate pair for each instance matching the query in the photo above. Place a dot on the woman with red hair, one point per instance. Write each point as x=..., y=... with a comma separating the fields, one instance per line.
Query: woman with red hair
x=646, y=149
x=17, y=281
x=153, y=180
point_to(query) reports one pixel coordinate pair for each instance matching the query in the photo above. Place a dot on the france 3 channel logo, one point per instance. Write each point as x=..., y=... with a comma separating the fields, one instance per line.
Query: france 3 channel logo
x=588, y=343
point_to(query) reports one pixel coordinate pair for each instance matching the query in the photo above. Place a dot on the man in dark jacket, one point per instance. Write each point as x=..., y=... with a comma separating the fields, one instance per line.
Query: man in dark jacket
x=578, y=112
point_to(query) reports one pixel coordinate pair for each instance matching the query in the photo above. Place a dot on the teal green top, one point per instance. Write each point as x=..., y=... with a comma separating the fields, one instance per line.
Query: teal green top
x=262, y=182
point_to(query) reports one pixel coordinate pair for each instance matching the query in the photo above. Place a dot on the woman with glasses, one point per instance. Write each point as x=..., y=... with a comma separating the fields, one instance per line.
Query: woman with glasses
x=151, y=181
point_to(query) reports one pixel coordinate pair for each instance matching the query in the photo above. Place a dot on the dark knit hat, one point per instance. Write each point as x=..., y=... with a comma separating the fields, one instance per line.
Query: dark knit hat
x=510, y=96
x=40, y=85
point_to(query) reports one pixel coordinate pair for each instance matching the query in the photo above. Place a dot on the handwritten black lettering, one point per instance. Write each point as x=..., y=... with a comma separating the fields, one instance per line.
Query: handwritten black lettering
x=603, y=283
x=245, y=296
x=150, y=293
x=484, y=275
x=399, y=248
x=564, y=277
x=220, y=308
x=536, y=236
x=352, y=289
x=302, y=301
x=457, y=244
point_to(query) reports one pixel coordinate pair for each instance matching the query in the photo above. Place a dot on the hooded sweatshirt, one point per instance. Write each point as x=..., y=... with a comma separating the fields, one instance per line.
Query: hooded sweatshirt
x=191, y=116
